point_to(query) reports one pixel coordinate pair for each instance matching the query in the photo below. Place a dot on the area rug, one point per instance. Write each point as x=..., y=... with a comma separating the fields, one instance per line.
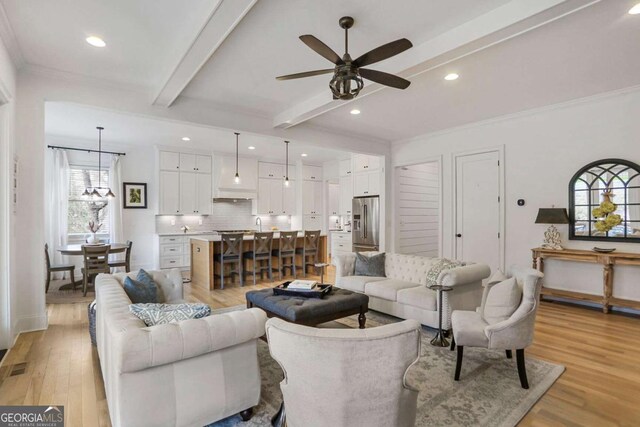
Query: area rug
x=57, y=296
x=488, y=393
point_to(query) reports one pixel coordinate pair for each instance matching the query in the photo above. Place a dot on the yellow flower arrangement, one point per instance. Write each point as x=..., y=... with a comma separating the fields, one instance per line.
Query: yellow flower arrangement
x=605, y=214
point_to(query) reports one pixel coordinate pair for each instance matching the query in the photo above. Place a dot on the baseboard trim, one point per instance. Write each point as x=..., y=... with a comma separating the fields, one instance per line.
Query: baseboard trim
x=32, y=323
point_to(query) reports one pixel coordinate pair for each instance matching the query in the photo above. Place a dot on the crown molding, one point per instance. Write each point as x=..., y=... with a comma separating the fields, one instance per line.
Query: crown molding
x=9, y=39
x=521, y=114
x=53, y=73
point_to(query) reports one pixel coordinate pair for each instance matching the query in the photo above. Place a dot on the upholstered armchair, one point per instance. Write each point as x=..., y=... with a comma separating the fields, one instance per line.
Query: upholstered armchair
x=496, y=325
x=346, y=377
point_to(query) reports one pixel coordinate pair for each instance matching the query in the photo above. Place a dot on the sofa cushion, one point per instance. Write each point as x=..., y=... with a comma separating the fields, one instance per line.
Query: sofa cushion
x=419, y=296
x=356, y=283
x=387, y=289
x=159, y=314
x=370, y=265
x=141, y=292
x=468, y=329
x=502, y=300
x=408, y=268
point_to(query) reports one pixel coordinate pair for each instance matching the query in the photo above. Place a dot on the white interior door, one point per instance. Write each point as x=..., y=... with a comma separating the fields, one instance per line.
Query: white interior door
x=478, y=207
x=418, y=209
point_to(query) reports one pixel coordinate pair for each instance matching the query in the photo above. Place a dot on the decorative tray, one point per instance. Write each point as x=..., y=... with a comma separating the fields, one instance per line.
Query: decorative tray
x=320, y=291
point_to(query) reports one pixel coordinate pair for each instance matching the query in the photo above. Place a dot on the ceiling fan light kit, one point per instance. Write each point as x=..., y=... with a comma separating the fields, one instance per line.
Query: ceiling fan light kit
x=347, y=80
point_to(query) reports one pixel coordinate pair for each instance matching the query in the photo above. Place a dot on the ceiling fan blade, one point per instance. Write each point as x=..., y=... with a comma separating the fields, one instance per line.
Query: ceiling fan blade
x=384, y=78
x=305, y=74
x=321, y=48
x=382, y=52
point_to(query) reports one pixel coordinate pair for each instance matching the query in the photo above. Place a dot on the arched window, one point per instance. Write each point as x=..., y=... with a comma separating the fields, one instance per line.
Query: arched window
x=604, y=202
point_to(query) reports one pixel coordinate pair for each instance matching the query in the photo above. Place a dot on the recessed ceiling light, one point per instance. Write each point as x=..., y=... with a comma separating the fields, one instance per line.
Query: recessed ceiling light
x=451, y=76
x=251, y=147
x=355, y=111
x=186, y=138
x=304, y=154
x=635, y=10
x=95, y=41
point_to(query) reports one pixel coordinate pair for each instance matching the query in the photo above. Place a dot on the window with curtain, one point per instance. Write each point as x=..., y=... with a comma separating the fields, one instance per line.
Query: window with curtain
x=83, y=209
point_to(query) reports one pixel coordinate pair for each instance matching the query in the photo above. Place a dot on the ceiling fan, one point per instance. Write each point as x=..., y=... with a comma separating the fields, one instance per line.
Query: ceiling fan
x=347, y=73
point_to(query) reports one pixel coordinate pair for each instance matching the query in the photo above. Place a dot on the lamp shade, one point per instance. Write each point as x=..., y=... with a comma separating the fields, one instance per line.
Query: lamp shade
x=552, y=216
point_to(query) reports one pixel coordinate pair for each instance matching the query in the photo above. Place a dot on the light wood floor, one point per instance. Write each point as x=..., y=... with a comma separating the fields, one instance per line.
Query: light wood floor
x=601, y=386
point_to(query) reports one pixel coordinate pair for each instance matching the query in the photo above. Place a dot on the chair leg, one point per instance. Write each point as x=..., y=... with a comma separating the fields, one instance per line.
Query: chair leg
x=221, y=275
x=522, y=371
x=73, y=279
x=85, y=284
x=246, y=414
x=240, y=272
x=270, y=270
x=509, y=356
x=254, y=271
x=458, y=363
x=293, y=261
x=453, y=343
x=46, y=287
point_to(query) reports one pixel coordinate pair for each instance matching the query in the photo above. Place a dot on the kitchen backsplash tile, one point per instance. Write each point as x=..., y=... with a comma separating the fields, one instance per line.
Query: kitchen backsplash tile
x=226, y=215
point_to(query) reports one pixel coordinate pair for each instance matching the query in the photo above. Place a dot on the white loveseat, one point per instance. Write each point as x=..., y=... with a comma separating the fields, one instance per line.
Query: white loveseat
x=189, y=373
x=403, y=292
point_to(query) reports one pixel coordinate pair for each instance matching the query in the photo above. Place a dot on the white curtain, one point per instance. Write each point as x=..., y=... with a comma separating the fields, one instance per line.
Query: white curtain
x=57, y=197
x=116, y=233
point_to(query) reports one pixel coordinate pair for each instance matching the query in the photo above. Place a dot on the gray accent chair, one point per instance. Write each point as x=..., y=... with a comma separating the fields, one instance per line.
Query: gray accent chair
x=346, y=377
x=470, y=329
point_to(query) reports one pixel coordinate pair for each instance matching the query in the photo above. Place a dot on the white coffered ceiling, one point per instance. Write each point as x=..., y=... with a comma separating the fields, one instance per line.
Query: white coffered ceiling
x=512, y=55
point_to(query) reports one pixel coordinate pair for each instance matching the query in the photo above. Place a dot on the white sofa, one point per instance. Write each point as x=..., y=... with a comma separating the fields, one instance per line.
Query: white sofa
x=189, y=373
x=403, y=292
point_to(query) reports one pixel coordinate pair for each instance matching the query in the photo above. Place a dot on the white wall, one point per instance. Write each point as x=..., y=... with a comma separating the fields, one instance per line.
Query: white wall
x=543, y=149
x=8, y=300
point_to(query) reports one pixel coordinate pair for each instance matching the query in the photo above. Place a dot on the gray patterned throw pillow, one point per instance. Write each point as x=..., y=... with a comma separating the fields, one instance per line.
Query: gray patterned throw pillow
x=438, y=266
x=370, y=265
x=159, y=314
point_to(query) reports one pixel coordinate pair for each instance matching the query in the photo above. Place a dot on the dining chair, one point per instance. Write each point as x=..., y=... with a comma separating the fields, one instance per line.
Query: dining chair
x=56, y=268
x=260, y=255
x=230, y=253
x=309, y=250
x=286, y=250
x=126, y=262
x=96, y=261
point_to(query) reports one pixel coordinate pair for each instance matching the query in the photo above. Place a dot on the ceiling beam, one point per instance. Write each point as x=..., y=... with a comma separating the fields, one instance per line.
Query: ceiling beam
x=498, y=25
x=224, y=18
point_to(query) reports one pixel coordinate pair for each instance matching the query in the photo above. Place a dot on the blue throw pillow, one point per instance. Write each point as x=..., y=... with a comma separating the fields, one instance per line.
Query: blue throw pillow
x=141, y=292
x=145, y=278
x=370, y=265
x=158, y=314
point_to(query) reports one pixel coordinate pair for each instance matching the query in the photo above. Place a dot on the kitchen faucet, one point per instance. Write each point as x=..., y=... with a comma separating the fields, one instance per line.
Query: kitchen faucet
x=259, y=224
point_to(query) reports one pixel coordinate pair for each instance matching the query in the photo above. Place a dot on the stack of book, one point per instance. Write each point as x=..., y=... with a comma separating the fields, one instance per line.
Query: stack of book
x=302, y=285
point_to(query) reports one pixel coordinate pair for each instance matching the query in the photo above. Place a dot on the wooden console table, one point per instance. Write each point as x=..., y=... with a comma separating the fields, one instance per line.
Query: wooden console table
x=607, y=260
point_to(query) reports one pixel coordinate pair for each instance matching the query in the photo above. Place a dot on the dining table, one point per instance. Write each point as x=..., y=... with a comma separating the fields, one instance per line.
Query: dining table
x=76, y=250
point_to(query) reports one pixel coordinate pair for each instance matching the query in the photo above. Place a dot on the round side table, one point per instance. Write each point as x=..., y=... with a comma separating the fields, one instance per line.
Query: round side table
x=439, y=340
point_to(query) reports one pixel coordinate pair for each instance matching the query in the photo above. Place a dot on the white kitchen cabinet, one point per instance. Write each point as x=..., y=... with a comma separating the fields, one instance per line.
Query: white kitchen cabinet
x=270, y=170
x=169, y=161
x=364, y=163
x=203, y=164
x=169, y=192
x=270, y=196
x=341, y=243
x=345, y=167
x=187, y=162
x=311, y=173
x=289, y=198
x=366, y=184
x=203, y=199
x=333, y=200
x=346, y=195
x=312, y=197
x=188, y=193
x=312, y=222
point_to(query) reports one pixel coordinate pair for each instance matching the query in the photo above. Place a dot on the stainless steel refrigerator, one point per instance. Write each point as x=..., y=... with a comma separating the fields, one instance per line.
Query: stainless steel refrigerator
x=365, y=232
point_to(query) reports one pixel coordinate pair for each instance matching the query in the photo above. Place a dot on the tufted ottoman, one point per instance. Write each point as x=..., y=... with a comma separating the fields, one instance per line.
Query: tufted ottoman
x=311, y=311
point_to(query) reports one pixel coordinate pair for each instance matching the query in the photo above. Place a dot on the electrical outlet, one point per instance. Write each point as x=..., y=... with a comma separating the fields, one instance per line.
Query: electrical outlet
x=200, y=221
x=173, y=222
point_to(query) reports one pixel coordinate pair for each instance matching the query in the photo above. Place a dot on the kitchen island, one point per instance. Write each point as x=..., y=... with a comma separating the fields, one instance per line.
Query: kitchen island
x=205, y=272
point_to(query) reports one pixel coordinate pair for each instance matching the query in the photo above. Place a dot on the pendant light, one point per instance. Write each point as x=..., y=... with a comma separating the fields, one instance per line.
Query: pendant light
x=237, y=177
x=286, y=165
x=95, y=191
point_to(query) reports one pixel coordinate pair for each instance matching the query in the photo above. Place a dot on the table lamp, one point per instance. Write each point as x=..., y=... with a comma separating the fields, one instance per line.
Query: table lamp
x=552, y=216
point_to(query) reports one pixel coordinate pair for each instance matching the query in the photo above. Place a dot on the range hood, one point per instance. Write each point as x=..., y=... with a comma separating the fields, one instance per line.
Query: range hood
x=224, y=185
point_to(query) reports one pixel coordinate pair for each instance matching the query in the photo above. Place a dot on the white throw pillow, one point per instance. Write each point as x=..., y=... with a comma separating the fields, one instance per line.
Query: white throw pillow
x=502, y=300
x=497, y=277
